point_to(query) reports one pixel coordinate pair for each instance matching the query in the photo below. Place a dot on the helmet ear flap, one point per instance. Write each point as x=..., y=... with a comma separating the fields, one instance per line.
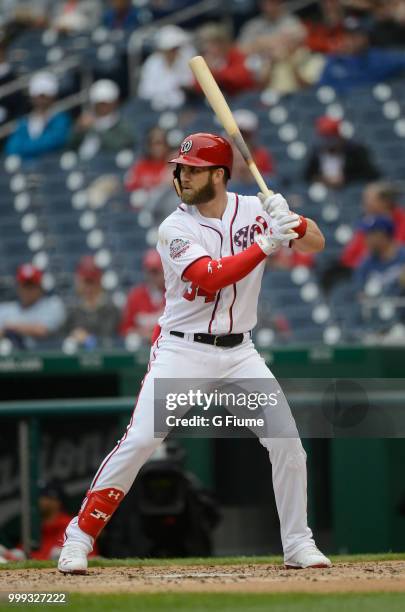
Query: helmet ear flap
x=176, y=180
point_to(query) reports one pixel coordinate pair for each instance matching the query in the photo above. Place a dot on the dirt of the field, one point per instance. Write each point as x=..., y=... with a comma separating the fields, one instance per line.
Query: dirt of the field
x=258, y=578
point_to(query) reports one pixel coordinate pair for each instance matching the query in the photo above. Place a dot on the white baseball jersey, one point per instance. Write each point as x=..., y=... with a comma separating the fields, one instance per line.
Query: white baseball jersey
x=186, y=236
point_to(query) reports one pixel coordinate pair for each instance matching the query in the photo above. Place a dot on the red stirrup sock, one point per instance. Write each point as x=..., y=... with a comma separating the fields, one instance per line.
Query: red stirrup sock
x=97, y=509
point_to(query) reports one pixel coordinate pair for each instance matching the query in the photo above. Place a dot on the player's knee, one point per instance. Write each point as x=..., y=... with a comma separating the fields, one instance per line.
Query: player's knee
x=289, y=450
x=144, y=441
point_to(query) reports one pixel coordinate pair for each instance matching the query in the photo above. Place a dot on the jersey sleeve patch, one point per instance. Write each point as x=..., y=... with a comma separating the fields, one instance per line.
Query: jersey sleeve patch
x=178, y=247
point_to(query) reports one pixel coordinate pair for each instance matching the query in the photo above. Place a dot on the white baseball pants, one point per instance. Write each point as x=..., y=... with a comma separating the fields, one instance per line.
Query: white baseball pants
x=173, y=357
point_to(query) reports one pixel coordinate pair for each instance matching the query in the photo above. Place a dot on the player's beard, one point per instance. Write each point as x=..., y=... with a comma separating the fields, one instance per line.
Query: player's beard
x=200, y=196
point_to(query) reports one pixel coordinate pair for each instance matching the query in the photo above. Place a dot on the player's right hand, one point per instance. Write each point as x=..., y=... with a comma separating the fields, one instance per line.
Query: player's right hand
x=274, y=203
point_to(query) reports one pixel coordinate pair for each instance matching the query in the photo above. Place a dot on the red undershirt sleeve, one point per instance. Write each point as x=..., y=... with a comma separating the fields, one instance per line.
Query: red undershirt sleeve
x=215, y=274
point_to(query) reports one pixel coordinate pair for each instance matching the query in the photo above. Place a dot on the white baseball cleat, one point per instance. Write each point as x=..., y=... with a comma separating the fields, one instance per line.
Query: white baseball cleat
x=308, y=557
x=73, y=559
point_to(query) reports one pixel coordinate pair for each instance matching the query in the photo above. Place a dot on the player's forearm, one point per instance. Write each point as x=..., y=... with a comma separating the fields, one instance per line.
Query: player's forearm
x=312, y=242
x=215, y=274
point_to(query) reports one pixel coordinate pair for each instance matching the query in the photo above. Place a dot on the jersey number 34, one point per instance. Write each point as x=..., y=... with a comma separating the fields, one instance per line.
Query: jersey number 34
x=193, y=291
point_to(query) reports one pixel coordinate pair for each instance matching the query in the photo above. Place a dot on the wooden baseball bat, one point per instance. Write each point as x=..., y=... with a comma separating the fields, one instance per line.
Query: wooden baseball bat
x=220, y=107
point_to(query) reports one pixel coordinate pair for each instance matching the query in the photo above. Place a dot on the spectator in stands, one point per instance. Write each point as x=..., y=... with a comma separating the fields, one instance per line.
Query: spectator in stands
x=122, y=15
x=288, y=65
x=325, y=35
x=386, y=260
x=379, y=198
x=44, y=130
x=93, y=319
x=359, y=64
x=226, y=61
x=151, y=169
x=335, y=160
x=75, y=16
x=248, y=124
x=35, y=316
x=25, y=13
x=64, y=15
x=388, y=28
x=145, y=302
x=12, y=105
x=166, y=74
x=257, y=33
x=102, y=129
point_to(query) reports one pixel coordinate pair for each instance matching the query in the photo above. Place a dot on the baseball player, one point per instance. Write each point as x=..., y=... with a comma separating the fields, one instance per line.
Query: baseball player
x=213, y=248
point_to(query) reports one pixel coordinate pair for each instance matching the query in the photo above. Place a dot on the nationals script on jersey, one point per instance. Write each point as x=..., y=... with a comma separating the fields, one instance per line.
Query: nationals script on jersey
x=186, y=236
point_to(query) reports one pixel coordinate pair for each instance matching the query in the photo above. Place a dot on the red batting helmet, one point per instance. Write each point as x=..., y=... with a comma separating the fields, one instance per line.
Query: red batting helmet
x=205, y=150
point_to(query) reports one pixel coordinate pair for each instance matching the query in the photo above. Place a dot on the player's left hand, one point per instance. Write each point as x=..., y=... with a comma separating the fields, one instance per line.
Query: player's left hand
x=274, y=203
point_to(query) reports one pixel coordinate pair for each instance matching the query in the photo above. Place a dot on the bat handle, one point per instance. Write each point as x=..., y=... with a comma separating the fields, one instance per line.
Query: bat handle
x=259, y=179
